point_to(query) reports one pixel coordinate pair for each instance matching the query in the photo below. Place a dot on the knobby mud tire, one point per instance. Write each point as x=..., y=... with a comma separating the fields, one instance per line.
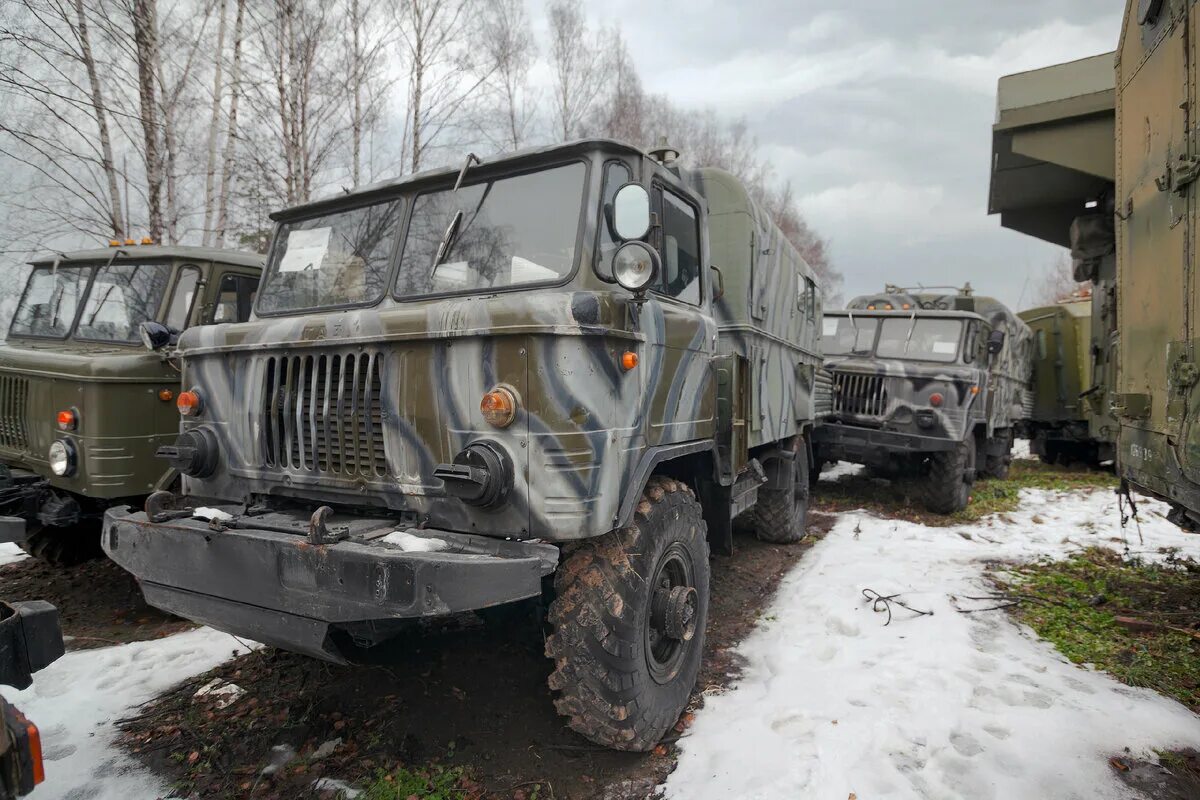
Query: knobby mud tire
x=998, y=466
x=781, y=515
x=947, y=488
x=601, y=623
x=64, y=547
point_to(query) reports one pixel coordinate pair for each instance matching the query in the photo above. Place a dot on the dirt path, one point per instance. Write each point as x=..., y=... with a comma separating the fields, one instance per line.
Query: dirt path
x=458, y=694
x=99, y=604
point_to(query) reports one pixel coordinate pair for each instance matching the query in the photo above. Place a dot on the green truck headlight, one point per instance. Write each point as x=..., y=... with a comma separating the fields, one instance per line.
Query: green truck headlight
x=62, y=457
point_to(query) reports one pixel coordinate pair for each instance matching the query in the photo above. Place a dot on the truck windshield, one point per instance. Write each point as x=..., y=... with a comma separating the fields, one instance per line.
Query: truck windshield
x=920, y=339
x=516, y=230
x=336, y=259
x=50, y=302
x=843, y=336
x=122, y=297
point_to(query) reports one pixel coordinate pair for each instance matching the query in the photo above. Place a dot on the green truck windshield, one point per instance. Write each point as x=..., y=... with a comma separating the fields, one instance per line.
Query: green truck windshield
x=515, y=230
x=121, y=297
x=905, y=338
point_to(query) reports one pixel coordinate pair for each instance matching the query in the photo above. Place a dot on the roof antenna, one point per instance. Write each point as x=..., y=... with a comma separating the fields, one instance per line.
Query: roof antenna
x=664, y=153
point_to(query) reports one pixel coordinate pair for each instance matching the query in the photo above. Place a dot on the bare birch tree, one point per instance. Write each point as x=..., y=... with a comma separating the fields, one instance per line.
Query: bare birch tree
x=577, y=57
x=508, y=44
x=231, y=131
x=370, y=36
x=145, y=36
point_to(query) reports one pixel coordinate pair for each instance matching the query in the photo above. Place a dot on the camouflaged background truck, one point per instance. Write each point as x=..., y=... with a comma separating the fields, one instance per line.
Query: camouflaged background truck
x=83, y=405
x=924, y=384
x=1053, y=178
x=1066, y=404
x=564, y=370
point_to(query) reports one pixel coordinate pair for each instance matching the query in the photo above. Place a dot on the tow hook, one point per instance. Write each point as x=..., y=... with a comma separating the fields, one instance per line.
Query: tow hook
x=160, y=507
x=320, y=533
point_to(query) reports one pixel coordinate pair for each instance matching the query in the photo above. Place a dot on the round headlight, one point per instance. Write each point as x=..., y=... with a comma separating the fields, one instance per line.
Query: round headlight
x=635, y=265
x=62, y=458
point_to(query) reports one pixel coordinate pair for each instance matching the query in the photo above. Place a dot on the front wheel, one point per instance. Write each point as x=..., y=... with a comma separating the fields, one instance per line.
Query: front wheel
x=951, y=473
x=781, y=515
x=628, y=622
x=64, y=547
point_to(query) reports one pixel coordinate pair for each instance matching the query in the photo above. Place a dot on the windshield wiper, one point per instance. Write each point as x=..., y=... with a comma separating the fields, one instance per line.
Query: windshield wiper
x=911, y=327
x=456, y=221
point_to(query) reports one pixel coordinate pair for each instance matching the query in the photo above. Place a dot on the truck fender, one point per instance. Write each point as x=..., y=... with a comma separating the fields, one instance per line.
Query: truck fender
x=651, y=459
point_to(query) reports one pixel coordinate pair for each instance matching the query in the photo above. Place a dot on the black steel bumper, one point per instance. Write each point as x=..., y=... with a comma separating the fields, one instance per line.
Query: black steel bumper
x=276, y=587
x=840, y=442
x=30, y=640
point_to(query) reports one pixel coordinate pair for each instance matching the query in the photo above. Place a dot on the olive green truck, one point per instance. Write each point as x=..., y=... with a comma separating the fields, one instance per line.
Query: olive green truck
x=562, y=371
x=83, y=404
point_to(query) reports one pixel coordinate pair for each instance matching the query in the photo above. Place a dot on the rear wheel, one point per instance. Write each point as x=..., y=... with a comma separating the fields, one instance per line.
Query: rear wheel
x=781, y=515
x=64, y=547
x=628, y=622
x=951, y=473
x=998, y=465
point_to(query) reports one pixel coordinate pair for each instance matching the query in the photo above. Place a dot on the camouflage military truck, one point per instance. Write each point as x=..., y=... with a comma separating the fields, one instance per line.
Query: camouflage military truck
x=924, y=384
x=83, y=405
x=1052, y=178
x=564, y=370
x=1066, y=402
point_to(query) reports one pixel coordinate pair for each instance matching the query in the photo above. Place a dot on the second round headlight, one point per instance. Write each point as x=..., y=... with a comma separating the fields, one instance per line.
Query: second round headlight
x=635, y=265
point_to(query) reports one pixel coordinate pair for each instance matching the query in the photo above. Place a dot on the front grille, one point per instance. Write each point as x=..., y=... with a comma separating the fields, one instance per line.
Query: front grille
x=859, y=394
x=14, y=394
x=324, y=414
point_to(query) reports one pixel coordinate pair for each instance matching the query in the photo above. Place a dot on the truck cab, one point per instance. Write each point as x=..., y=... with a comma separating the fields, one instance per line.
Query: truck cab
x=475, y=386
x=924, y=385
x=83, y=404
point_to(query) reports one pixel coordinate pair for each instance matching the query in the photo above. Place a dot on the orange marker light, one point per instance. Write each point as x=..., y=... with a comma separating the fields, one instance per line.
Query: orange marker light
x=189, y=404
x=67, y=420
x=629, y=360
x=130, y=241
x=870, y=308
x=974, y=390
x=114, y=242
x=166, y=395
x=499, y=407
x=35, y=752
x=147, y=240
x=936, y=400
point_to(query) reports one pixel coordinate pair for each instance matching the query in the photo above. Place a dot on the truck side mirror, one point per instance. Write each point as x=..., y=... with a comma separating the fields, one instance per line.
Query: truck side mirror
x=631, y=212
x=995, y=342
x=718, y=284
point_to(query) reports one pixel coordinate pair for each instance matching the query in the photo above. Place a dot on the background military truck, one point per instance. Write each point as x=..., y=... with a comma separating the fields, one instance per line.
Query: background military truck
x=83, y=405
x=925, y=384
x=1053, y=168
x=1065, y=401
x=579, y=362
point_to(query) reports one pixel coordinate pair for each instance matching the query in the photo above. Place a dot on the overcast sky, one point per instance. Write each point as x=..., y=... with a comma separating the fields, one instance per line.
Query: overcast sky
x=878, y=111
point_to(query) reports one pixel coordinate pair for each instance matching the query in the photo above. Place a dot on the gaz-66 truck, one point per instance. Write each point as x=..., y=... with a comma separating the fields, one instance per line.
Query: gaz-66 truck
x=925, y=385
x=83, y=405
x=562, y=370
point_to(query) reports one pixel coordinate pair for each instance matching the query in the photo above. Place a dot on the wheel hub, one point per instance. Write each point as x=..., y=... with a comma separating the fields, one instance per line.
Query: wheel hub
x=676, y=612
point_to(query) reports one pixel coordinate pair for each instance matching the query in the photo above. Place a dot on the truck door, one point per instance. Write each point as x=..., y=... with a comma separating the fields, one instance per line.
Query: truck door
x=679, y=327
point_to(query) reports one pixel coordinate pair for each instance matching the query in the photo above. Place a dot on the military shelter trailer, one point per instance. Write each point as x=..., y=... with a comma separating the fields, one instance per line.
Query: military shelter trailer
x=1064, y=396
x=1053, y=172
x=83, y=404
x=924, y=384
x=563, y=370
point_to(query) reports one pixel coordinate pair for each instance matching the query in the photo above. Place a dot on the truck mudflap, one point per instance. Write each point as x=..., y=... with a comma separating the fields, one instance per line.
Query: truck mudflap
x=262, y=576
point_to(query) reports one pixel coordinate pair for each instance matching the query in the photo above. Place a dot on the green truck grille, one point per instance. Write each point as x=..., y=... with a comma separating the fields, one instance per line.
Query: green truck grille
x=325, y=414
x=14, y=396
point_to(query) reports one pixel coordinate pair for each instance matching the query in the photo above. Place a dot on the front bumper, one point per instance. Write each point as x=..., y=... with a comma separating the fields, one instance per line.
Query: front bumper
x=255, y=577
x=841, y=442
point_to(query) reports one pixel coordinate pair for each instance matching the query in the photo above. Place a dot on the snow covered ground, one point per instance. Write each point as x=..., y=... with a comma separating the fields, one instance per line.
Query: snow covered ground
x=944, y=706
x=10, y=553
x=76, y=700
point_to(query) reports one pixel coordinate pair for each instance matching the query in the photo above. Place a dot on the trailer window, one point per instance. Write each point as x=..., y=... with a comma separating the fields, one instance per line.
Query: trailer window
x=680, y=250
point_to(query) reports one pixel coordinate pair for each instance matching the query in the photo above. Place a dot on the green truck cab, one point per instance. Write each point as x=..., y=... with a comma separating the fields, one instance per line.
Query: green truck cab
x=924, y=384
x=1066, y=421
x=83, y=404
x=558, y=373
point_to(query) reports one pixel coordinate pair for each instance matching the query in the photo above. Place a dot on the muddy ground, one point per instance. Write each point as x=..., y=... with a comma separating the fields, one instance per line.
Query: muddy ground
x=99, y=604
x=461, y=693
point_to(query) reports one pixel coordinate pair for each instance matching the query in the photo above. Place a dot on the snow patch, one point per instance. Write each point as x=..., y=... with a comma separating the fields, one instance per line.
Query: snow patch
x=334, y=785
x=211, y=513
x=1022, y=451
x=11, y=553
x=415, y=544
x=834, y=704
x=226, y=694
x=77, y=699
x=841, y=469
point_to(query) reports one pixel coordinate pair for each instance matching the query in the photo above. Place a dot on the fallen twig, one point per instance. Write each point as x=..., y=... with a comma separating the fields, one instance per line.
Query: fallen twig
x=880, y=602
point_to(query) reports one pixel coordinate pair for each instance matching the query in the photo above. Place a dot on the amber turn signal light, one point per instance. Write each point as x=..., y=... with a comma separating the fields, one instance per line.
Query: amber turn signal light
x=974, y=390
x=189, y=403
x=629, y=360
x=166, y=395
x=499, y=407
x=936, y=400
x=67, y=420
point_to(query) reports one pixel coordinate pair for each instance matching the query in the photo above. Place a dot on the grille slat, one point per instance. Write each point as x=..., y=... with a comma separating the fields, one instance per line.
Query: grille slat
x=14, y=394
x=859, y=394
x=324, y=414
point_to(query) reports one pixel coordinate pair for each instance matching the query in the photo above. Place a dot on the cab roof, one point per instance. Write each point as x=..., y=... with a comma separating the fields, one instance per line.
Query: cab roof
x=491, y=164
x=238, y=258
